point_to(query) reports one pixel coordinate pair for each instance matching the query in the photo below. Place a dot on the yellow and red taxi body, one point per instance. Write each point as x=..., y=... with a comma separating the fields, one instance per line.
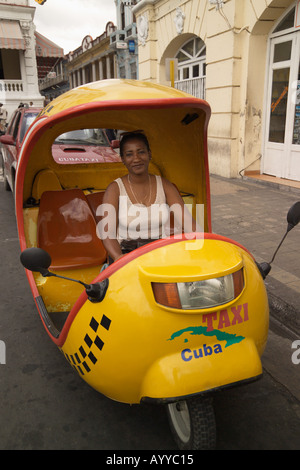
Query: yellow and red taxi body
x=145, y=340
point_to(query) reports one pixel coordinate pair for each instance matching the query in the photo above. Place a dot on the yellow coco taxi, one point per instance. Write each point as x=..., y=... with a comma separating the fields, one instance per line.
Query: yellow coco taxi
x=172, y=321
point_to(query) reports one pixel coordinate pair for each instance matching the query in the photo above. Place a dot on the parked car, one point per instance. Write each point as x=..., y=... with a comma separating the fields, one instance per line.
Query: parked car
x=85, y=146
x=12, y=140
x=79, y=146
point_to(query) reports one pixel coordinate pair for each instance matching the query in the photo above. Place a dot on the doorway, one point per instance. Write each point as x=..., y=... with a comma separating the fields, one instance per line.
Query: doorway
x=282, y=135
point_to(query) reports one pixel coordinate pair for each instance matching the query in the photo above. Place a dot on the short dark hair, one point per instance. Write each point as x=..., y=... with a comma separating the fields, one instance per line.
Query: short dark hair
x=133, y=135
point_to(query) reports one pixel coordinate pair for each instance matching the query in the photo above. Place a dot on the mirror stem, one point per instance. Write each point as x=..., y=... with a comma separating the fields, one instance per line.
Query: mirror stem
x=46, y=273
x=95, y=292
x=280, y=245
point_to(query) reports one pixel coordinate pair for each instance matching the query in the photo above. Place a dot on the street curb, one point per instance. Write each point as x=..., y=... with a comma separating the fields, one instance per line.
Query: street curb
x=285, y=313
x=272, y=185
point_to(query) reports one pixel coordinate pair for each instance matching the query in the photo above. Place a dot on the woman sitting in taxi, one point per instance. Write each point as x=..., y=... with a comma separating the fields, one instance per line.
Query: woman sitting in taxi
x=137, y=204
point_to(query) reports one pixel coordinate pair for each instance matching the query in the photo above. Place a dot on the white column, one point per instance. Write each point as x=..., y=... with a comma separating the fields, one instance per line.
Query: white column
x=108, y=74
x=94, y=71
x=100, y=70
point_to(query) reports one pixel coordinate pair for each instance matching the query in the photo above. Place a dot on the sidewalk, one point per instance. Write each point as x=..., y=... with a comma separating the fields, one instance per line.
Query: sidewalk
x=254, y=214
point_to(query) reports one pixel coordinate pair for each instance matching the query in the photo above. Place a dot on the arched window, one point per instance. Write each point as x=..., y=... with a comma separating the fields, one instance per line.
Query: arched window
x=287, y=22
x=192, y=67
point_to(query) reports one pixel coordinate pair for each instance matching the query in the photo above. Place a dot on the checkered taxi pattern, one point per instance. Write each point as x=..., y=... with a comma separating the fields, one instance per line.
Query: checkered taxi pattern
x=84, y=359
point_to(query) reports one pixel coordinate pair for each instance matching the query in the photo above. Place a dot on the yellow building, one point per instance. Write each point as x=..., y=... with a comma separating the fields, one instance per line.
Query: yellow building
x=242, y=56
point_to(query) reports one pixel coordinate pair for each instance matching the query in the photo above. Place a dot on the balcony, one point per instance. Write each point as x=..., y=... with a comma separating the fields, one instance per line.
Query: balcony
x=11, y=89
x=121, y=35
x=194, y=86
x=53, y=81
x=131, y=31
x=117, y=36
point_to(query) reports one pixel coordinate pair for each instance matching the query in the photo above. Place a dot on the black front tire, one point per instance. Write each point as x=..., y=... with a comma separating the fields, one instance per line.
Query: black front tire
x=193, y=424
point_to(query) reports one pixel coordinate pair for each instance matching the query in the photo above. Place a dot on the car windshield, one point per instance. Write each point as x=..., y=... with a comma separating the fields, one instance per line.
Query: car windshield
x=83, y=137
x=26, y=123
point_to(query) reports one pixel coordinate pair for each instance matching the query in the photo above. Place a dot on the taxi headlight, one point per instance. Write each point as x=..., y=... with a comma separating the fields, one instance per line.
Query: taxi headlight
x=207, y=293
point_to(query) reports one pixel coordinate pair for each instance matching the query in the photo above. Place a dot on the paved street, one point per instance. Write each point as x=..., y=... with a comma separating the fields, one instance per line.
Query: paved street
x=45, y=405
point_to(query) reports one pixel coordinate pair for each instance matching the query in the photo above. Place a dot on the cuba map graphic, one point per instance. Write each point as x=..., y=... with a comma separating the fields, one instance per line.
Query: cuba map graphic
x=187, y=354
x=202, y=330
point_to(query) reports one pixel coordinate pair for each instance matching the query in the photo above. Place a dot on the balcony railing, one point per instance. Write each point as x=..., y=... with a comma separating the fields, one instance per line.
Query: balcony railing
x=58, y=79
x=194, y=86
x=10, y=88
x=130, y=32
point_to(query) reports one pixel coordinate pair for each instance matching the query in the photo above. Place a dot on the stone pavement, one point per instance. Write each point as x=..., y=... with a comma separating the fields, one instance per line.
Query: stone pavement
x=254, y=214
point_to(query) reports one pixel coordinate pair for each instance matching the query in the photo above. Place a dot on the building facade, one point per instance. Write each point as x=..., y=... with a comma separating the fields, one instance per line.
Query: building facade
x=241, y=56
x=56, y=81
x=18, y=68
x=51, y=65
x=124, y=40
x=93, y=60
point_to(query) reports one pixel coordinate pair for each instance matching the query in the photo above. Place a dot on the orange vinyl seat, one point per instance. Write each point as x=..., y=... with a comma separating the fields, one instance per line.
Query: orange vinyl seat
x=66, y=229
x=94, y=201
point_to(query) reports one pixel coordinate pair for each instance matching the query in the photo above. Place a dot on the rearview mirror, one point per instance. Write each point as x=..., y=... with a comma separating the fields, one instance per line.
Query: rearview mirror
x=293, y=216
x=36, y=259
x=7, y=139
x=115, y=144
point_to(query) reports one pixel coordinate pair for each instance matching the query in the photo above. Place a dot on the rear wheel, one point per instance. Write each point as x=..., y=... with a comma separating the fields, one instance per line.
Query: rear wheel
x=192, y=423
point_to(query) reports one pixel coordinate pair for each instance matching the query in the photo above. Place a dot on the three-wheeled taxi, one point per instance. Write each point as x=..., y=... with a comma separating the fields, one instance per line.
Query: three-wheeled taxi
x=171, y=322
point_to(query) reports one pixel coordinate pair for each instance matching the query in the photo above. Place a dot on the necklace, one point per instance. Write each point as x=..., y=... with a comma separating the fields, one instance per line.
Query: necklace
x=148, y=199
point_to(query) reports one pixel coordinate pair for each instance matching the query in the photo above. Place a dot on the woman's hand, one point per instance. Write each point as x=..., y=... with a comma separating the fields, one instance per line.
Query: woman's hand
x=118, y=257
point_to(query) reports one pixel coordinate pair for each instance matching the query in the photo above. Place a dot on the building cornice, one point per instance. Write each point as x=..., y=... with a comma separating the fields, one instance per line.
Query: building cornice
x=10, y=6
x=142, y=4
x=11, y=10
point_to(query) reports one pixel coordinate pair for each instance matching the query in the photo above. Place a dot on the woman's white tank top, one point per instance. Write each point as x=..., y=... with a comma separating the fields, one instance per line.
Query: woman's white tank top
x=140, y=221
